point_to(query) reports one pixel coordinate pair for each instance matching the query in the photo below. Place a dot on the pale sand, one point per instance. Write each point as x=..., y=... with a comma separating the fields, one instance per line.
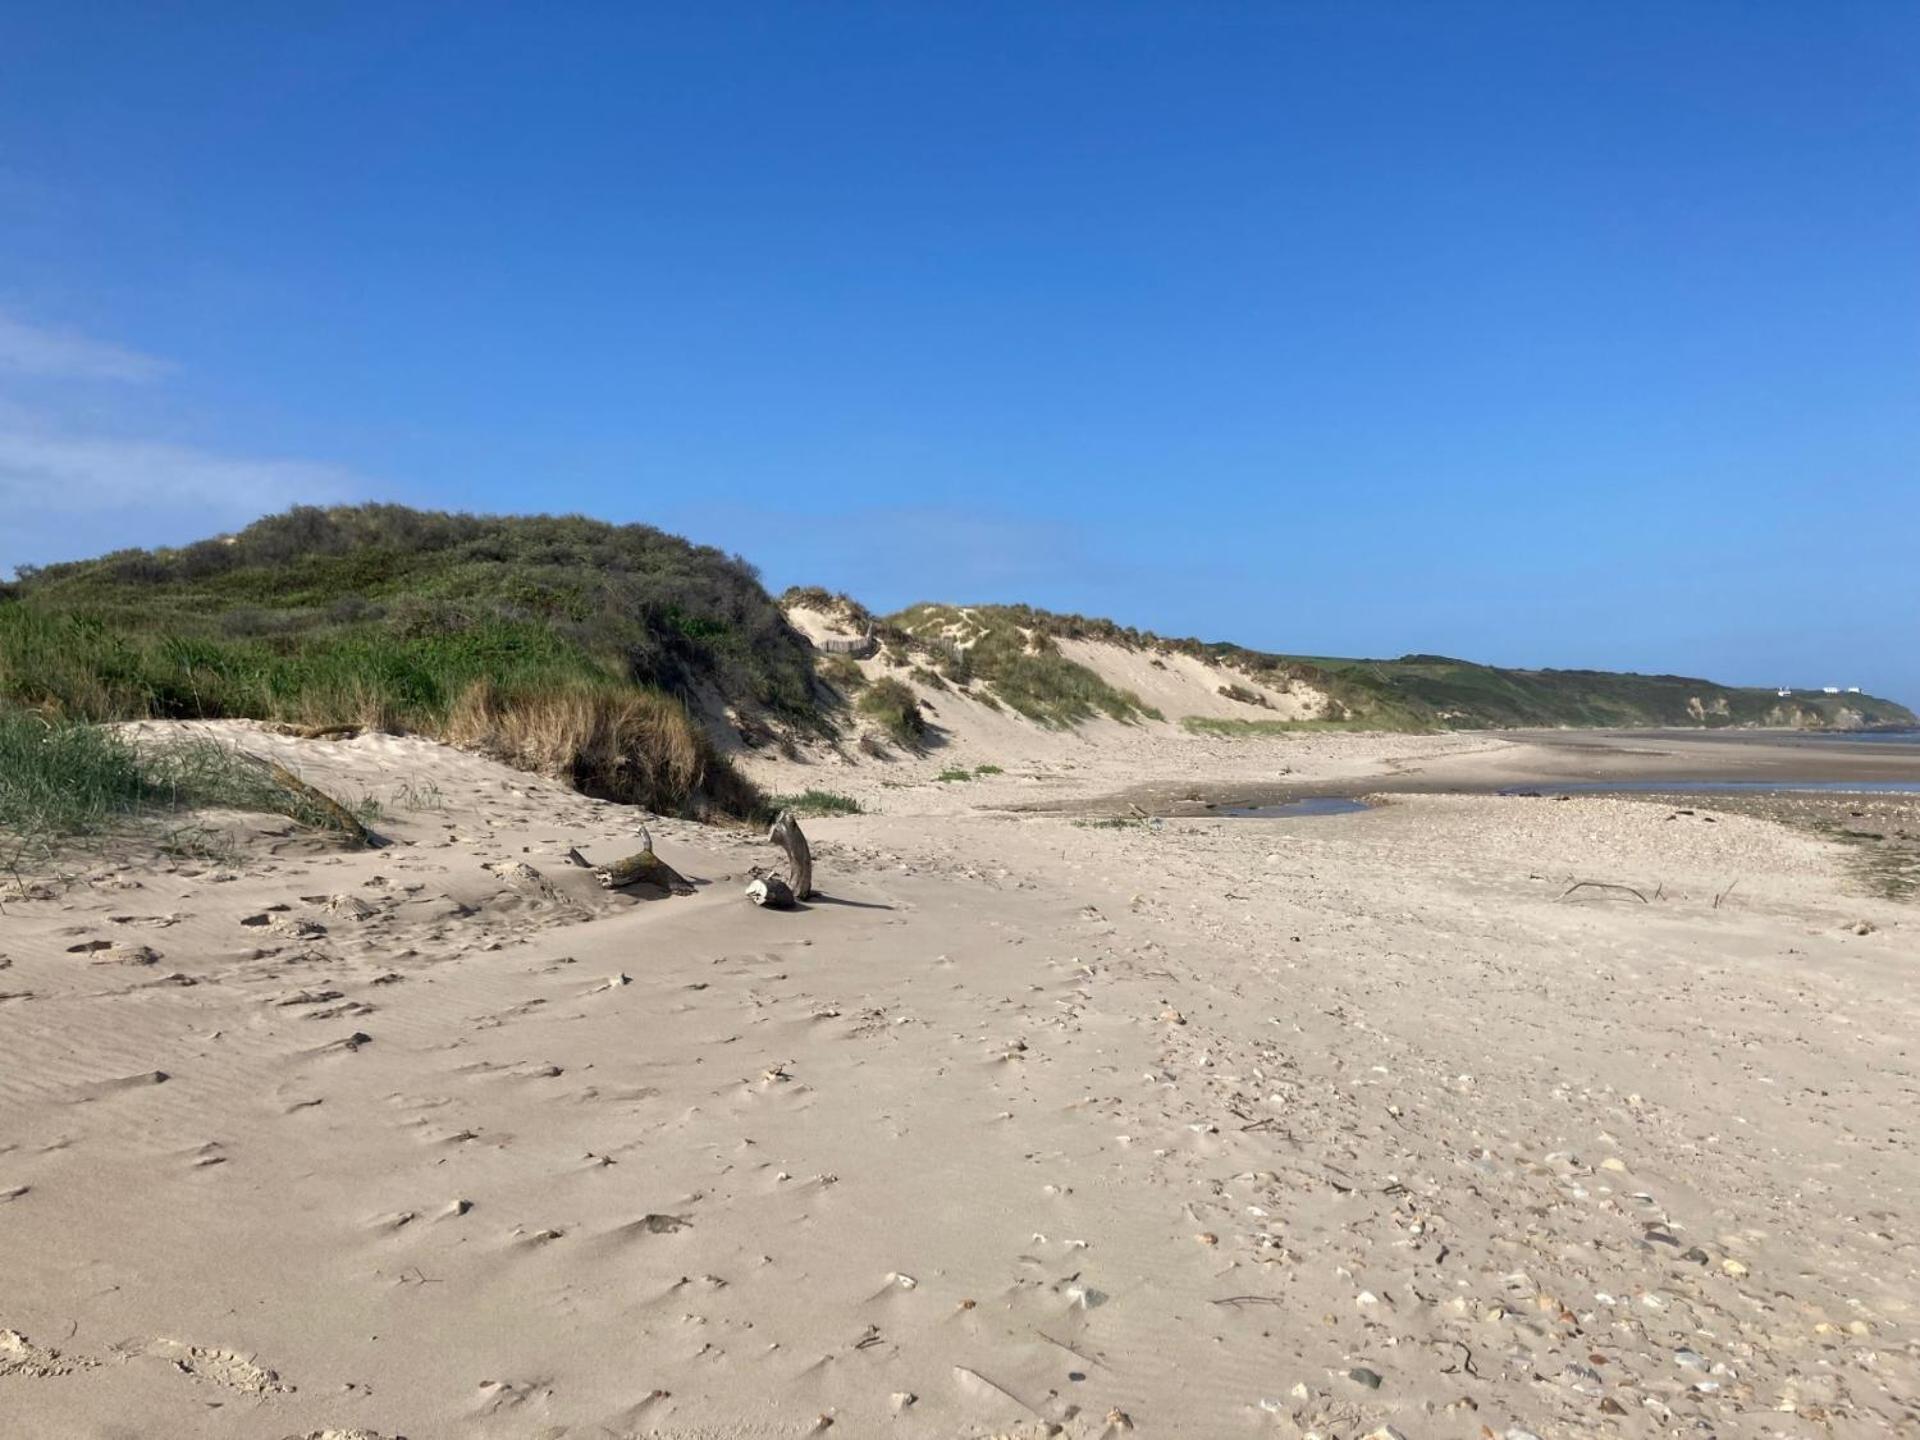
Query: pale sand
x=1029, y=1124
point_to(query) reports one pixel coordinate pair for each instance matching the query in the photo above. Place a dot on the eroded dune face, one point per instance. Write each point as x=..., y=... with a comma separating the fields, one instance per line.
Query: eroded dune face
x=1213, y=1128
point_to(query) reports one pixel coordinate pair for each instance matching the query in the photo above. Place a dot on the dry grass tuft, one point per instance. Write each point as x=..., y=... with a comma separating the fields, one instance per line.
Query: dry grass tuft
x=635, y=746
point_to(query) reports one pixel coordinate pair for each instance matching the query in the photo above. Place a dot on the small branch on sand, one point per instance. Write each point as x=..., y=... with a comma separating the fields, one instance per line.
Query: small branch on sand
x=1239, y=1300
x=1078, y=1354
x=1602, y=885
x=1466, y=1360
x=317, y=732
x=1724, y=893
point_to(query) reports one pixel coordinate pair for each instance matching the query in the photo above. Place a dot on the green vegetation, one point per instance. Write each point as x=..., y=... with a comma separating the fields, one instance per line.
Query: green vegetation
x=1417, y=692
x=425, y=795
x=1022, y=668
x=1245, y=695
x=1220, y=725
x=895, y=709
x=988, y=770
x=1459, y=694
x=813, y=802
x=63, y=781
x=563, y=644
x=842, y=672
x=954, y=776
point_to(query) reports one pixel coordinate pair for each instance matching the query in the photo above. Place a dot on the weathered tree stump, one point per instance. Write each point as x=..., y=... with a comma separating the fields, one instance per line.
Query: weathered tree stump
x=772, y=890
x=787, y=835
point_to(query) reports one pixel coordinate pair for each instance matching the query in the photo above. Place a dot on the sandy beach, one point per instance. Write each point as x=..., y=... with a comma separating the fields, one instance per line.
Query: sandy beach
x=1368, y=1124
x=959, y=722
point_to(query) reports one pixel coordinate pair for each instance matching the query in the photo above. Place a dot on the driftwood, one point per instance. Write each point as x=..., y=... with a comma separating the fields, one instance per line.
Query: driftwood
x=773, y=890
x=317, y=732
x=770, y=892
x=786, y=834
x=642, y=868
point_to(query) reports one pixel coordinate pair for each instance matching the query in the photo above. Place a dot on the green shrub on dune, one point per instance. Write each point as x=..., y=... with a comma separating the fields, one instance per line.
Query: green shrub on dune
x=1021, y=665
x=896, y=710
x=565, y=644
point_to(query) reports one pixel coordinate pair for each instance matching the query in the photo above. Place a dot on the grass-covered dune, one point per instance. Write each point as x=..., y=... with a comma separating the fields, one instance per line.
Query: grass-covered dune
x=565, y=645
x=591, y=652
x=1460, y=694
x=1019, y=664
x=1007, y=643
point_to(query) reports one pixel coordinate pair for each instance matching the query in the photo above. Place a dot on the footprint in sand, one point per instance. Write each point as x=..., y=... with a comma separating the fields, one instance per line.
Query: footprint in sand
x=124, y=954
x=498, y=1395
x=225, y=1368
x=20, y=1357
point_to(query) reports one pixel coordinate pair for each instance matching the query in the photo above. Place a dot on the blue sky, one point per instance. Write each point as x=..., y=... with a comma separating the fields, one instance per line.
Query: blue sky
x=1537, y=333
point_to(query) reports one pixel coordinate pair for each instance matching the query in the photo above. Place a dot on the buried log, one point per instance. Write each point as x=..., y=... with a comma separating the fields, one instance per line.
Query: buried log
x=772, y=890
x=642, y=868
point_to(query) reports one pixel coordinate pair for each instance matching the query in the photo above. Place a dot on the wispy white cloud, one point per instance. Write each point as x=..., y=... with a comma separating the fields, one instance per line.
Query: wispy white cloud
x=64, y=496
x=79, y=475
x=64, y=355
x=70, y=486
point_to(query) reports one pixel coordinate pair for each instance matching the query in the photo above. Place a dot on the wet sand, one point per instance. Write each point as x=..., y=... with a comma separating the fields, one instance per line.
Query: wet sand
x=1521, y=759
